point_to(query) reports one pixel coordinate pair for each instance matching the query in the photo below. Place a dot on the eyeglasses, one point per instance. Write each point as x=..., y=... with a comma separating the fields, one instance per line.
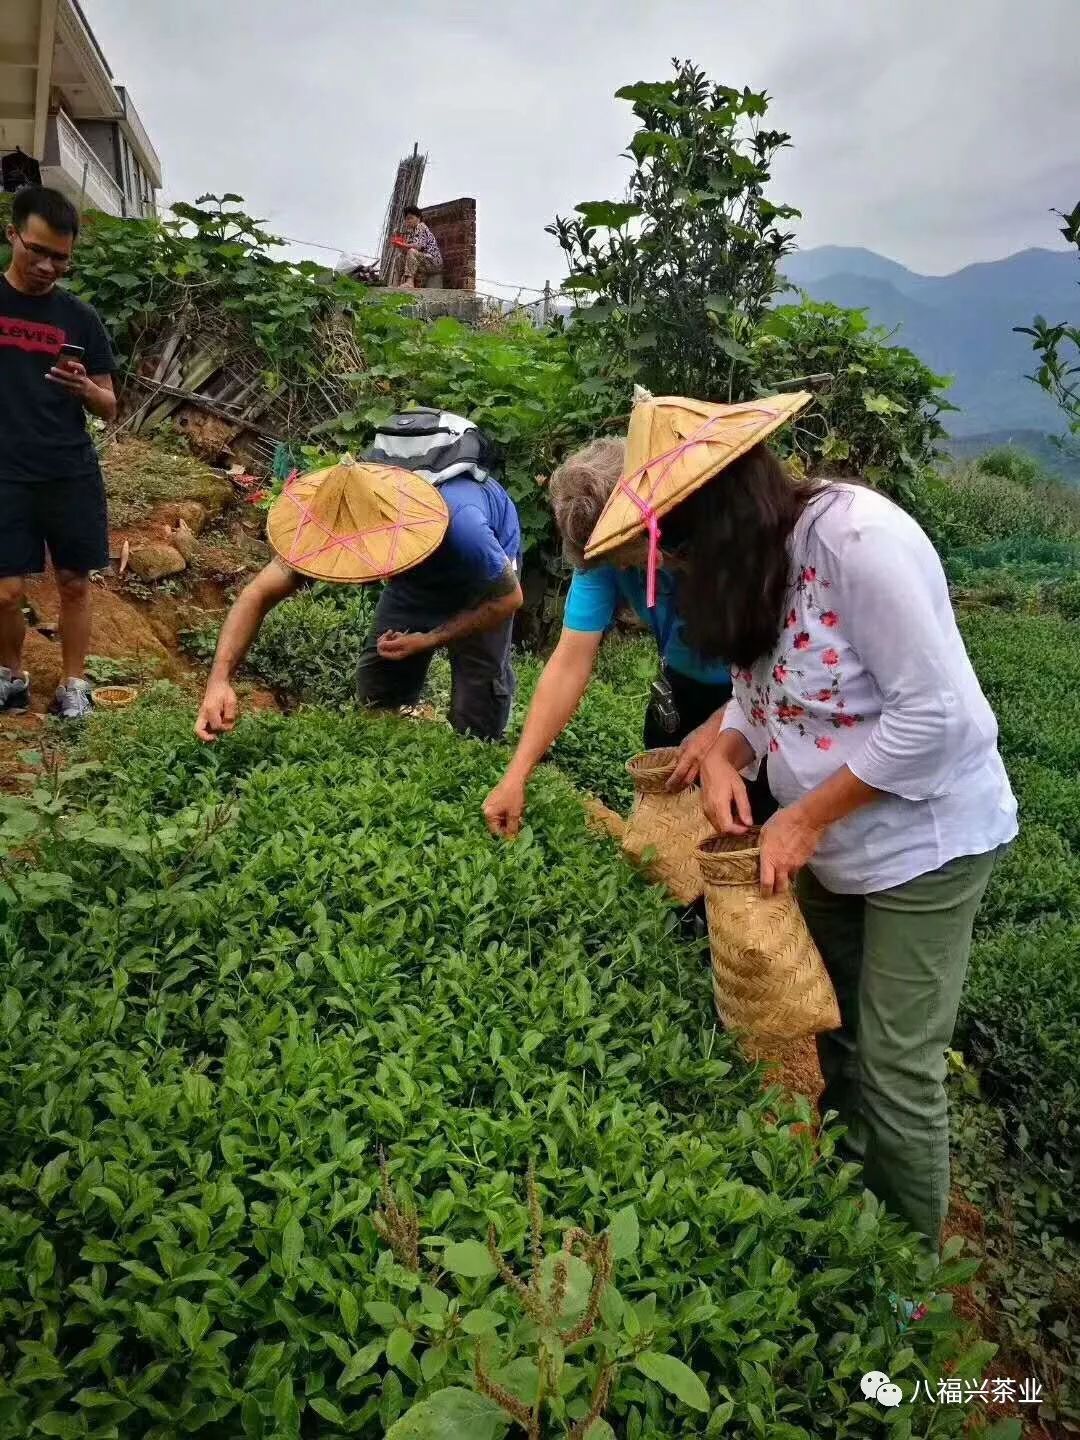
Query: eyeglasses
x=58, y=260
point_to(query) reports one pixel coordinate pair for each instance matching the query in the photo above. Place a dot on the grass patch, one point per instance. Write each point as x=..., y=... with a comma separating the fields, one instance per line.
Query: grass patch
x=140, y=475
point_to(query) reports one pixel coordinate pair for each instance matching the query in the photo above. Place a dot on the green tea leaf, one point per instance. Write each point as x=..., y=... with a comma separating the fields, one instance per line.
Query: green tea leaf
x=349, y=1311
x=326, y=1410
x=68, y=1427
x=451, y=1414
x=285, y=1409
x=361, y=1363
x=399, y=1346
x=265, y=1361
x=433, y=1362
x=52, y=1176
x=480, y=1322
x=292, y=1245
x=719, y=1417
x=957, y=1272
x=624, y=1233
x=468, y=1258
x=674, y=1377
x=42, y=1259
x=194, y=1321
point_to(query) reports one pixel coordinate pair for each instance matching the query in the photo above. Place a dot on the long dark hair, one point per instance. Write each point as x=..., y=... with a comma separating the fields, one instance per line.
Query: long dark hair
x=730, y=542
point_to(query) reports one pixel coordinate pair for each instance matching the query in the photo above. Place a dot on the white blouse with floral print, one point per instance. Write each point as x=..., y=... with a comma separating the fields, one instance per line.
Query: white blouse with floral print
x=871, y=672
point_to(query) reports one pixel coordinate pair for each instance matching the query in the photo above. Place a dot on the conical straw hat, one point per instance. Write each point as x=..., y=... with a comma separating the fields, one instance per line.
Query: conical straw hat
x=356, y=522
x=673, y=446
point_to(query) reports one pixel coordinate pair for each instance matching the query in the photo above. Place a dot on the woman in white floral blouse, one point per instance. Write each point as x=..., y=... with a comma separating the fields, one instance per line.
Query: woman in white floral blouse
x=853, y=687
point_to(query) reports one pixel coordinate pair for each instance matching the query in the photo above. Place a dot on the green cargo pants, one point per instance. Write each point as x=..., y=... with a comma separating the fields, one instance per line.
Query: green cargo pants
x=898, y=960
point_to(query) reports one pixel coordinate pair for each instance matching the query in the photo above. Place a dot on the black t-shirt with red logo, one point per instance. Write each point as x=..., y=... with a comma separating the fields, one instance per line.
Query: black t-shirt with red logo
x=43, y=434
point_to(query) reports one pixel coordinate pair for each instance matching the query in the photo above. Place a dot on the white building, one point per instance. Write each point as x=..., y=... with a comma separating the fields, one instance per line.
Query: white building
x=60, y=104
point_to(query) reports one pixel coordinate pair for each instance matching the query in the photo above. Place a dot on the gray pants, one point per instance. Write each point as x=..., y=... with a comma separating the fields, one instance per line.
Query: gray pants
x=482, y=675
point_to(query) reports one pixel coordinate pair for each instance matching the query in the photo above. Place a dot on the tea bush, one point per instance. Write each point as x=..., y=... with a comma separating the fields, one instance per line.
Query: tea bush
x=308, y=646
x=1023, y=996
x=607, y=729
x=265, y=961
x=974, y=507
x=1012, y=464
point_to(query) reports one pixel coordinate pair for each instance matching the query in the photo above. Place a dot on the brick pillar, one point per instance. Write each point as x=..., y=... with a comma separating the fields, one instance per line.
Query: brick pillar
x=453, y=224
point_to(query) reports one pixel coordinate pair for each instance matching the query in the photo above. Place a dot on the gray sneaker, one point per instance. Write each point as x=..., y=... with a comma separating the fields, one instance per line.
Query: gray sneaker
x=74, y=701
x=14, y=690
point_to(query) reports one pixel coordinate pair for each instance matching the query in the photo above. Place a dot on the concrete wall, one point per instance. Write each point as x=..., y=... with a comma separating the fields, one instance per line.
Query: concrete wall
x=453, y=224
x=99, y=135
x=106, y=138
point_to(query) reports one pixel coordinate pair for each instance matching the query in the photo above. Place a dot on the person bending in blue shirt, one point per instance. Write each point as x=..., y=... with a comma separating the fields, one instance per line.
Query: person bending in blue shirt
x=685, y=710
x=463, y=596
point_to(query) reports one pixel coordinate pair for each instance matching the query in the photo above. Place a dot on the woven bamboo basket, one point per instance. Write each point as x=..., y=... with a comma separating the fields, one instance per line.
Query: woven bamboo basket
x=602, y=821
x=670, y=826
x=115, y=697
x=769, y=979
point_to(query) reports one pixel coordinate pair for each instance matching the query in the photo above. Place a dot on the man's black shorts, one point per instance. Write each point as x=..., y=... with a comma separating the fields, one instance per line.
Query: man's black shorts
x=67, y=517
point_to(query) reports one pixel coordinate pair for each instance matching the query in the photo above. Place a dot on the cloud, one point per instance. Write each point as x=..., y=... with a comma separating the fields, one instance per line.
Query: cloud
x=937, y=134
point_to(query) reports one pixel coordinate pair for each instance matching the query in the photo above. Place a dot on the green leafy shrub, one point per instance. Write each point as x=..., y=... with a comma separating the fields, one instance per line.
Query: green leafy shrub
x=877, y=417
x=308, y=646
x=309, y=950
x=1063, y=595
x=1030, y=1263
x=1026, y=556
x=1029, y=667
x=1048, y=797
x=1022, y=1004
x=210, y=259
x=521, y=384
x=1022, y=572
x=606, y=731
x=1012, y=464
x=307, y=652
x=1034, y=897
x=980, y=507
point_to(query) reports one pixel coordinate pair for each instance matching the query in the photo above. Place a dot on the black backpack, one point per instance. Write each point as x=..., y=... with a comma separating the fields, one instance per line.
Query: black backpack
x=435, y=444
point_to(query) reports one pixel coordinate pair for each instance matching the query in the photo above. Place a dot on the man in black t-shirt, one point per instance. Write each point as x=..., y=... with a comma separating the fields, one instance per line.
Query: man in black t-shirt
x=56, y=363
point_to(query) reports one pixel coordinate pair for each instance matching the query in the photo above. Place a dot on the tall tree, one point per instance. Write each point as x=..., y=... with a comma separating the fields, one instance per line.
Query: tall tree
x=681, y=271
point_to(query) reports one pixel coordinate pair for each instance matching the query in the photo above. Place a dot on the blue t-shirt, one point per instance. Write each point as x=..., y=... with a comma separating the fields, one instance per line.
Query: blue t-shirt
x=595, y=596
x=482, y=539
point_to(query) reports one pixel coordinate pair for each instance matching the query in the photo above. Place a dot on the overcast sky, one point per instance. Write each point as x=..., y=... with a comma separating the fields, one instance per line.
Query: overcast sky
x=937, y=132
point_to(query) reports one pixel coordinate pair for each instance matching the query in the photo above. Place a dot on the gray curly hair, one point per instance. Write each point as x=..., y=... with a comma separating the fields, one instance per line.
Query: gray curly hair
x=579, y=490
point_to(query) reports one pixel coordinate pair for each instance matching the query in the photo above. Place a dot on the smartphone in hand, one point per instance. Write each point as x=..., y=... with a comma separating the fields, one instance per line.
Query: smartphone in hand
x=68, y=367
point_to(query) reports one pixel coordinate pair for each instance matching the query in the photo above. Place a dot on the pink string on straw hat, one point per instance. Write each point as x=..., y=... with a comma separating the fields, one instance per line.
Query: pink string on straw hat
x=355, y=542
x=666, y=460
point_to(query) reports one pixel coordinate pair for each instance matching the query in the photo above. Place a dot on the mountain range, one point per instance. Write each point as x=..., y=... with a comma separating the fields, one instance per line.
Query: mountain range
x=959, y=324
